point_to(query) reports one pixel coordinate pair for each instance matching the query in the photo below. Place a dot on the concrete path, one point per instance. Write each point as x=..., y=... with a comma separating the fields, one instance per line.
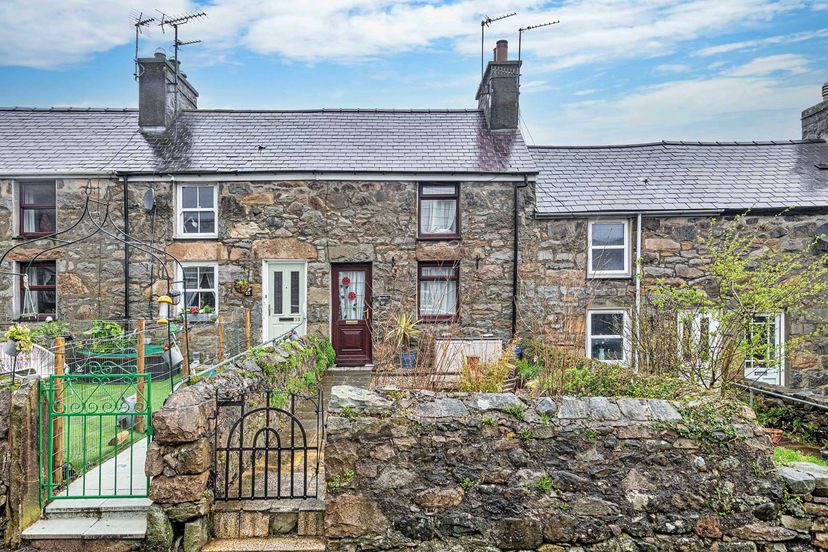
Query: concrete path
x=120, y=475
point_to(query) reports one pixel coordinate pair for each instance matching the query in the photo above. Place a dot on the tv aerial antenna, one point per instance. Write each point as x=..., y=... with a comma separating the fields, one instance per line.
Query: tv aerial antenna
x=175, y=22
x=485, y=22
x=529, y=28
x=139, y=22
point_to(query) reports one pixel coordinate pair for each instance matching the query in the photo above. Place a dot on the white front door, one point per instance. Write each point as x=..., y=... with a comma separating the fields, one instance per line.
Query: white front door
x=285, y=301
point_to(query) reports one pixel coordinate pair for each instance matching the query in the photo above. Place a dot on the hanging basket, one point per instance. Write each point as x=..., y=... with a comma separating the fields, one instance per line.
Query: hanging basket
x=173, y=357
x=10, y=348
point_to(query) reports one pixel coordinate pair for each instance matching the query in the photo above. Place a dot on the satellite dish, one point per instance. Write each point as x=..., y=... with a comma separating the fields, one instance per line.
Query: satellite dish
x=149, y=200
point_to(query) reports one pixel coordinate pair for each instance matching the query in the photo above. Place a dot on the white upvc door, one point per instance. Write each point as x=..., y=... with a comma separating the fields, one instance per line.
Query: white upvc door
x=285, y=298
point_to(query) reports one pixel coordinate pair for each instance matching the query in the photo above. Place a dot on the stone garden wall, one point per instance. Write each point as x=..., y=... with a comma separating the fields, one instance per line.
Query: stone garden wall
x=476, y=472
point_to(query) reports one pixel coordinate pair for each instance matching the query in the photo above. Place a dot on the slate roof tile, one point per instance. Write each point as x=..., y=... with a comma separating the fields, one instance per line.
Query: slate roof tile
x=680, y=175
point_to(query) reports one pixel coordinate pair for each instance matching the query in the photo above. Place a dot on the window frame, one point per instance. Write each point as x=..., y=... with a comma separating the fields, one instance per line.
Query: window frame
x=23, y=207
x=179, y=211
x=182, y=304
x=624, y=335
x=455, y=266
x=626, y=247
x=22, y=268
x=779, y=342
x=455, y=196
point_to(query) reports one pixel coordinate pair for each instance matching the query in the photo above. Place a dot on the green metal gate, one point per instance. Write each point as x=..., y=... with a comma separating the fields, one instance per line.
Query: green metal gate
x=98, y=430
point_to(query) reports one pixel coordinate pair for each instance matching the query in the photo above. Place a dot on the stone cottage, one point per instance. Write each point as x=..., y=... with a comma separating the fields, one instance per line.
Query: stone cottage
x=323, y=220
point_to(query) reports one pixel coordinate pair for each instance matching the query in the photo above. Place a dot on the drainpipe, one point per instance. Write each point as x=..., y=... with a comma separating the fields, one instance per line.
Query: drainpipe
x=515, y=253
x=638, y=272
x=126, y=247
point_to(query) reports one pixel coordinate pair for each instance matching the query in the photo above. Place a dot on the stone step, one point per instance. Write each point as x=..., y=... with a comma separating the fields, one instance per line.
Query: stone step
x=96, y=507
x=280, y=544
x=66, y=533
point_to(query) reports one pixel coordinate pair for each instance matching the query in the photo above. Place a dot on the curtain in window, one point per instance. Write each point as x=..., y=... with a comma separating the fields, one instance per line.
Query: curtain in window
x=352, y=295
x=439, y=216
x=438, y=298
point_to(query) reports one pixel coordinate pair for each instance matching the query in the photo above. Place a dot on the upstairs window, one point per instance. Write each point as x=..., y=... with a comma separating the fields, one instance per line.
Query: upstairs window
x=609, y=249
x=606, y=335
x=439, y=208
x=201, y=287
x=38, y=289
x=438, y=288
x=197, y=213
x=37, y=208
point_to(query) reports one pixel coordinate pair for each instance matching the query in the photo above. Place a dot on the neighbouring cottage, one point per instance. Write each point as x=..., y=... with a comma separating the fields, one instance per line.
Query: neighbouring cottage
x=321, y=220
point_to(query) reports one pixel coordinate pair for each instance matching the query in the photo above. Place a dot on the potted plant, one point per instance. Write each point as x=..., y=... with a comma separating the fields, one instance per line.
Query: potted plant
x=19, y=340
x=203, y=314
x=405, y=331
x=172, y=355
x=241, y=285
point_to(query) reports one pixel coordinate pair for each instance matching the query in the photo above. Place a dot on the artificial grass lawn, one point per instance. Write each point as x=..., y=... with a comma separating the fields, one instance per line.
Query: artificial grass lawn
x=783, y=455
x=86, y=437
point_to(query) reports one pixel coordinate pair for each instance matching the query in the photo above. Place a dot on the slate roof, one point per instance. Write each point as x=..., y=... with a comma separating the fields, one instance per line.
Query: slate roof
x=84, y=141
x=685, y=176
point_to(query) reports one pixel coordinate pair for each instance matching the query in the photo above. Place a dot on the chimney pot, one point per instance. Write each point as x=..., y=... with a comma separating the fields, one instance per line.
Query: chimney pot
x=502, y=50
x=159, y=55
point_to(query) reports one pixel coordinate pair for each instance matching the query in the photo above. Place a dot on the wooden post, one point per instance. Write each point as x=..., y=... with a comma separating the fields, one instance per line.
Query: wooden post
x=247, y=328
x=220, y=338
x=140, y=420
x=57, y=406
x=185, y=366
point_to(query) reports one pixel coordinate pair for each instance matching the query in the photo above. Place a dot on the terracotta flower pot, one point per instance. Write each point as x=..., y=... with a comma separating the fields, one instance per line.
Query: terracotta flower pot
x=774, y=434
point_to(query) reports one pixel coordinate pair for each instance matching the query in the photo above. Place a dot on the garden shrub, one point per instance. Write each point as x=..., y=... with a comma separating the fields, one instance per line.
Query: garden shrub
x=488, y=377
x=301, y=371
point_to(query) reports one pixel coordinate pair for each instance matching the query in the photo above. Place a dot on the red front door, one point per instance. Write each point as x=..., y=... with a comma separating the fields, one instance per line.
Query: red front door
x=351, y=301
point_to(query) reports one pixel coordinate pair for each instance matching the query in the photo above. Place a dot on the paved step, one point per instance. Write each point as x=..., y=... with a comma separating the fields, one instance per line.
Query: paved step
x=280, y=544
x=111, y=527
x=95, y=507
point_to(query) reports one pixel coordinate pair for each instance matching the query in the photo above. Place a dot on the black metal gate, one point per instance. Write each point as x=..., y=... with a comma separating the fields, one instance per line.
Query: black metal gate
x=268, y=446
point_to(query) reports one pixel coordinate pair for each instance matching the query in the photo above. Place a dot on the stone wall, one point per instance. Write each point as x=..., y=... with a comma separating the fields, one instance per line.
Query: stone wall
x=815, y=121
x=426, y=471
x=554, y=272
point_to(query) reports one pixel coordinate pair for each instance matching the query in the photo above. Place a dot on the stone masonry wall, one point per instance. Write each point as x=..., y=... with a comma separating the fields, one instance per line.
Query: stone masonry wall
x=815, y=121
x=554, y=272
x=489, y=472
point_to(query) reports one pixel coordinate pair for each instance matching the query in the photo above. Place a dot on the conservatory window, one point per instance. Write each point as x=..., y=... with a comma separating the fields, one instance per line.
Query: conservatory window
x=439, y=207
x=201, y=288
x=609, y=248
x=606, y=335
x=197, y=212
x=38, y=289
x=37, y=200
x=438, y=285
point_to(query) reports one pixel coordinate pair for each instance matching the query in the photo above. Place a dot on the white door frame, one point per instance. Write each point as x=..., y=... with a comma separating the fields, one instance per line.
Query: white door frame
x=266, y=298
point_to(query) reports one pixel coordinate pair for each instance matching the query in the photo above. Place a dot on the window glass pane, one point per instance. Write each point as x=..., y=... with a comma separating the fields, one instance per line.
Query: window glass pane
x=38, y=220
x=606, y=323
x=191, y=299
x=45, y=302
x=208, y=298
x=294, y=292
x=205, y=197
x=607, y=233
x=41, y=275
x=39, y=193
x=611, y=348
x=277, y=293
x=438, y=271
x=438, y=189
x=207, y=222
x=607, y=259
x=190, y=277
x=189, y=197
x=351, y=295
x=438, y=216
x=190, y=224
x=438, y=298
x=207, y=278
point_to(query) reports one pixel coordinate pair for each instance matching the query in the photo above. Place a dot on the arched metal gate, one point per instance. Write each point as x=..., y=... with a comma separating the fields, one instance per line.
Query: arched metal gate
x=268, y=446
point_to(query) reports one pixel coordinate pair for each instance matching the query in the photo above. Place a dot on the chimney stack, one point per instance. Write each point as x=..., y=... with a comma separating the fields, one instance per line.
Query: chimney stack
x=815, y=119
x=161, y=93
x=498, y=92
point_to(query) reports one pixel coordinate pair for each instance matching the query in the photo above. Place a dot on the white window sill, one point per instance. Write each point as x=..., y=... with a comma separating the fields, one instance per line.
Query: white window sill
x=196, y=237
x=608, y=275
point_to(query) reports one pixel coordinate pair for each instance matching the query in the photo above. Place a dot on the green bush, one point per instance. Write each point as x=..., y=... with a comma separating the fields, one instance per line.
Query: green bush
x=603, y=379
x=301, y=371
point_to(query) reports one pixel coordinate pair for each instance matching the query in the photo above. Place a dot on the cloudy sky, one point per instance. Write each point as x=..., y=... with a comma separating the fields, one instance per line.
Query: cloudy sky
x=612, y=71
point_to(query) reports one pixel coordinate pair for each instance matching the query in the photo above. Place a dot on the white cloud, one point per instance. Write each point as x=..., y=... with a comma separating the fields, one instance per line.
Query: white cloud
x=781, y=63
x=787, y=39
x=673, y=68
x=716, y=108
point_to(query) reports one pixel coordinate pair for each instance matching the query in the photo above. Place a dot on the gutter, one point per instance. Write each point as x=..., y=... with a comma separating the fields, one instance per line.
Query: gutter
x=515, y=252
x=649, y=214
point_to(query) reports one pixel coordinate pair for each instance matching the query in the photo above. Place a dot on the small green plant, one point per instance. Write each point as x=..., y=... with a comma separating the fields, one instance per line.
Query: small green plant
x=466, y=484
x=545, y=418
x=489, y=421
x=526, y=434
x=108, y=337
x=784, y=456
x=515, y=411
x=723, y=502
x=544, y=484
x=339, y=482
x=590, y=433
x=348, y=413
x=45, y=333
x=22, y=337
x=564, y=505
x=405, y=330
